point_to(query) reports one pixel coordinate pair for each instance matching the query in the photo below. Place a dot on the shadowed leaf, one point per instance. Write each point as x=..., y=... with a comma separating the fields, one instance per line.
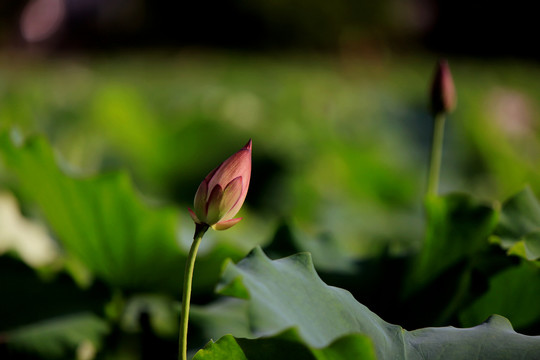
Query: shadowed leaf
x=48, y=318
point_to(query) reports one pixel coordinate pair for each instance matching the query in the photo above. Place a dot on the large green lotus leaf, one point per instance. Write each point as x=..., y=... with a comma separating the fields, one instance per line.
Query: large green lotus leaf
x=493, y=340
x=48, y=318
x=458, y=226
x=287, y=345
x=100, y=220
x=513, y=293
x=518, y=230
x=288, y=293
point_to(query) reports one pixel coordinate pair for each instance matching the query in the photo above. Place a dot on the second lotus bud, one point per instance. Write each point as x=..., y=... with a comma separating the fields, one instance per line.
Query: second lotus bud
x=443, y=91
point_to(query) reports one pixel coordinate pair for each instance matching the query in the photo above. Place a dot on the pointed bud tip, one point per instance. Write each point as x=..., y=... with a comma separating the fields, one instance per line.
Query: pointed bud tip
x=443, y=92
x=443, y=63
x=248, y=145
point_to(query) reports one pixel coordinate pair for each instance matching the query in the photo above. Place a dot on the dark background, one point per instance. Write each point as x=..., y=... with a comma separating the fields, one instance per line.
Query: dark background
x=480, y=28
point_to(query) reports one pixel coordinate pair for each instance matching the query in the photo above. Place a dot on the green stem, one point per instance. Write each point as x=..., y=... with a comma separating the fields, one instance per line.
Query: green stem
x=200, y=229
x=436, y=154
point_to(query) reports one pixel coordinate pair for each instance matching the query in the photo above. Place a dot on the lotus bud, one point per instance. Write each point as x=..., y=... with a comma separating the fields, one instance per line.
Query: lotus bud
x=443, y=92
x=222, y=192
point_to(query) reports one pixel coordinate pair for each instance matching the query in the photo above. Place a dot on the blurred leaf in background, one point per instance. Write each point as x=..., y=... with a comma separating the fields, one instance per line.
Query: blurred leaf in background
x=102, y=223
x=340, y=144
x=49, y=318
x=518, y=230
x=514, y=292
x=99, y=221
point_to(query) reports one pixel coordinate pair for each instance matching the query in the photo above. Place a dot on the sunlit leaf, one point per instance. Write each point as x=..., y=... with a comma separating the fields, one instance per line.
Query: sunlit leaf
x=518, y=230
x=29, y=240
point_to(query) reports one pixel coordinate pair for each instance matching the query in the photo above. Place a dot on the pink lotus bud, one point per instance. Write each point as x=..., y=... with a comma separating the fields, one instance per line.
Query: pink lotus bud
x=223, y=191
x=443, y=92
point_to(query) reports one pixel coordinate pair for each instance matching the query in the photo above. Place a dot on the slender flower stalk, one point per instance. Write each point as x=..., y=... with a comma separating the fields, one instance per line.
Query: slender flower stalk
x=200, y=230
x=219, y=197
x=443, y=101
x=436, y=154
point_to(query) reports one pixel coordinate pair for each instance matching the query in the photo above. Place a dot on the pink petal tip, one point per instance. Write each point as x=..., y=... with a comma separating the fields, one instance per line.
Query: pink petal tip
x=224, y=225
x=193, y=216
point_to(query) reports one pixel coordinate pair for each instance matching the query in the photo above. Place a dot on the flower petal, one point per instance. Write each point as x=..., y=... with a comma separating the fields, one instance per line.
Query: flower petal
x=231, y=196
x=236, y=207
x=224, y=225
x=194, y=217
x=239, y=164
x=200, y=199
x=213, y=206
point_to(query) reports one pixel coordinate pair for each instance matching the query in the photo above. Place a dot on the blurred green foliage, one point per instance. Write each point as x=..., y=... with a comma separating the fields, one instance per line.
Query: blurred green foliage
x=339, y=165
x=339, y=143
